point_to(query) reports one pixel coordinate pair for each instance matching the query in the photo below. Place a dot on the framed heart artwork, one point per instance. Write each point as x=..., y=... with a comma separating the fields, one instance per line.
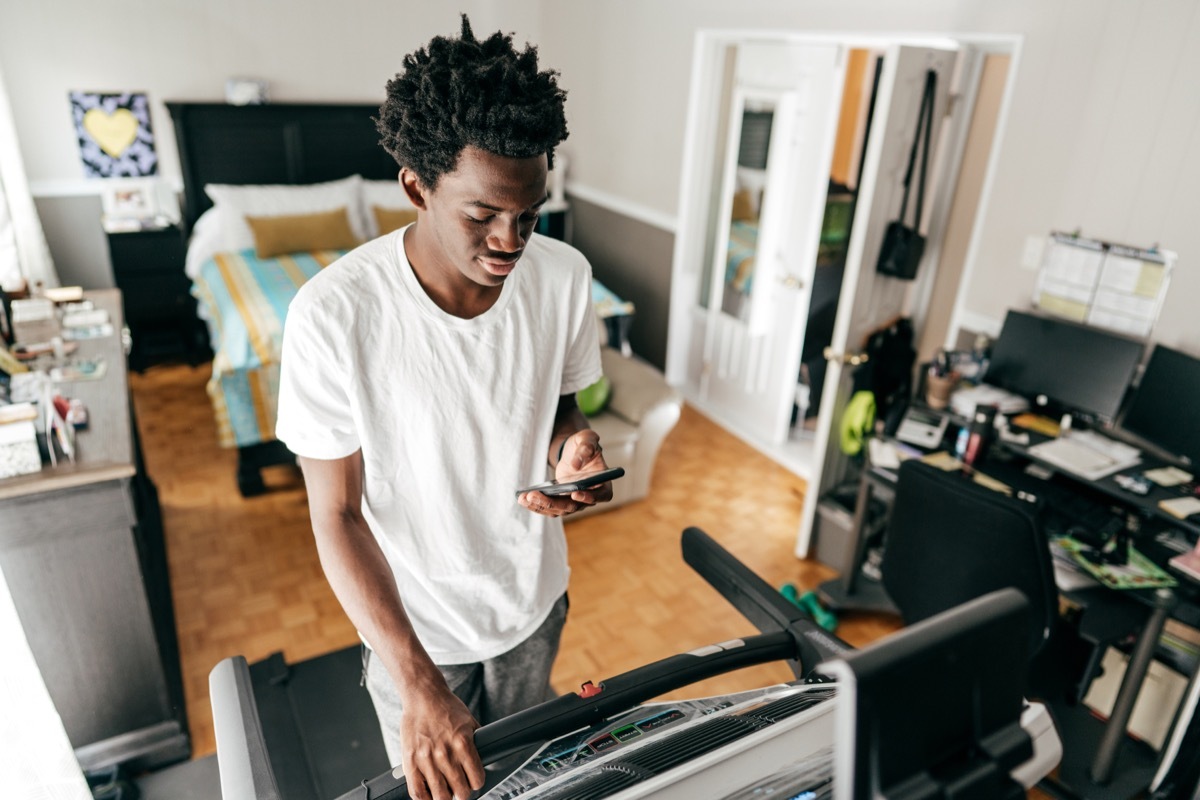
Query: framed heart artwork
x=115, y=138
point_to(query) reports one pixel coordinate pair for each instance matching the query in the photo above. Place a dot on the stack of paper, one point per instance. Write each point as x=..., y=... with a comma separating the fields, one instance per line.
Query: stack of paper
x=963, y=401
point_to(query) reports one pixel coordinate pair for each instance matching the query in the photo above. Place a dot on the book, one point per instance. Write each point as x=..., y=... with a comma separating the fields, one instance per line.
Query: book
x=1187, y=563
x=1180, y=507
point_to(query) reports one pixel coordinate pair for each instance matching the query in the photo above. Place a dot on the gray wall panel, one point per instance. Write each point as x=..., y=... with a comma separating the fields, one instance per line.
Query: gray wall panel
x=634, y=260
x=77, y=241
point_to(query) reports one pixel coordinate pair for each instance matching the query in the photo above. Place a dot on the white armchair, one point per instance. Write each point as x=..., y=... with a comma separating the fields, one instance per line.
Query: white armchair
x=641, y=412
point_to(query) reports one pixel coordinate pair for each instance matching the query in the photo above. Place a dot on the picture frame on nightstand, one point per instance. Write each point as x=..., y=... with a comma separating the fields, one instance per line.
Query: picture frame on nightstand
x=133, y=205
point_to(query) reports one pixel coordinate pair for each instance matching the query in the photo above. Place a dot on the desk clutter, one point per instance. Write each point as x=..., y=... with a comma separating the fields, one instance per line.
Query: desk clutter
x=1092, y=435
x=40, y=341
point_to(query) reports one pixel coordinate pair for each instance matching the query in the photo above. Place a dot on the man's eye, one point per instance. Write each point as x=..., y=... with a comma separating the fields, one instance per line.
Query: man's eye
x=529, y=218
x=479, y=221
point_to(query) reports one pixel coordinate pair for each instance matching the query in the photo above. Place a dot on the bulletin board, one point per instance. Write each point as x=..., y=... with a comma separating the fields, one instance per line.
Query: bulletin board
x=1107, y=285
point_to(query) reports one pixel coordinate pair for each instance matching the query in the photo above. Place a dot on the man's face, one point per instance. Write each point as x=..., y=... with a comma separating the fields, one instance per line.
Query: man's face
x=480, y=216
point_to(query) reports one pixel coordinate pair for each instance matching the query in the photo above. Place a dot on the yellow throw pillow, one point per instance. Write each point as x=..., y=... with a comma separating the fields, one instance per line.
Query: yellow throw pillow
x=391, y=219
x=743, y=206
x=302, y=233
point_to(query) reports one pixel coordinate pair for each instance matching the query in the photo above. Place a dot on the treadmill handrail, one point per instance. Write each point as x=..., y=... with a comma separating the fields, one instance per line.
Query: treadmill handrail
x=242, y=759
x=763, y=606
x=571, y=712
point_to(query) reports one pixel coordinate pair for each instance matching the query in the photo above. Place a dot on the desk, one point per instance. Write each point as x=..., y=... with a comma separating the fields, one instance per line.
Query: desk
x=1146, y=505
x=1107, y=617
x=82, y=549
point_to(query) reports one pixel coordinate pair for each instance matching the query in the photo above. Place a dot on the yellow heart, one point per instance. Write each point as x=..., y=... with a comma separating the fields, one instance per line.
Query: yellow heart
x=113, y=132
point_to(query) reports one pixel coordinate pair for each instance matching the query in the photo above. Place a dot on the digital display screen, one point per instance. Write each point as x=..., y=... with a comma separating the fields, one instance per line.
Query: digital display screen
x=1082, y=368
x=1162, y=410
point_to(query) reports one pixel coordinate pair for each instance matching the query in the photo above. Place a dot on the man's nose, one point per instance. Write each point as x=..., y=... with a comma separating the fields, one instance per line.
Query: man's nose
x=505, y=237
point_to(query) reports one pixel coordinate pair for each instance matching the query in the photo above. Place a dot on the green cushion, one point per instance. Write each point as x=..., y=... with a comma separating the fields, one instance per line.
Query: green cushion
x=593, y=399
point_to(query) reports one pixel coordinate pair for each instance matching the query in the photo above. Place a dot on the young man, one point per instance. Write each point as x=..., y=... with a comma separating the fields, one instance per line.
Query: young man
x=428, y=375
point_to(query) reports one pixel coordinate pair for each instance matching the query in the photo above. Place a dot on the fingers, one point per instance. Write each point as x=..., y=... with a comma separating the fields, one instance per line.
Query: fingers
x=439, y=758
x=539, y=503
x=472, y=767
x=586, y=450
x=444, y=771
x=550, y=506
x=595, y=494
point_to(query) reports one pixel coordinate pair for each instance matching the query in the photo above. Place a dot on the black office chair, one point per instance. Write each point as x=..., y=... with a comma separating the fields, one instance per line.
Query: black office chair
x=951, y=540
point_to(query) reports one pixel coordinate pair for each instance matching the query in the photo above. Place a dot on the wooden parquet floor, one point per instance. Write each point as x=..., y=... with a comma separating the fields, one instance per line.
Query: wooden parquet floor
x=246, y=580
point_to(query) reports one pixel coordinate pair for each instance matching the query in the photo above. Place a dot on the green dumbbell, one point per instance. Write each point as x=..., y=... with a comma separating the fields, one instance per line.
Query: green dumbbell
x=811, y=605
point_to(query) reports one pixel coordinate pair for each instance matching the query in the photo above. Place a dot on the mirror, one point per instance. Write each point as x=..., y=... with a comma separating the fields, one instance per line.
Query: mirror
x=746, y=194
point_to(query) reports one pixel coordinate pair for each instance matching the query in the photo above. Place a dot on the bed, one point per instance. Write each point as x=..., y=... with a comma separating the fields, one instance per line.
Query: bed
x=242, y=298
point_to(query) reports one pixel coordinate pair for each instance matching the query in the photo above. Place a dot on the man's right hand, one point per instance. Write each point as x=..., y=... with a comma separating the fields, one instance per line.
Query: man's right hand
x=437, y=733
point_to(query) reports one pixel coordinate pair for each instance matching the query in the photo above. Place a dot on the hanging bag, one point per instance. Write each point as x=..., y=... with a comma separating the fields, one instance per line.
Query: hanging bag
x=903, y=246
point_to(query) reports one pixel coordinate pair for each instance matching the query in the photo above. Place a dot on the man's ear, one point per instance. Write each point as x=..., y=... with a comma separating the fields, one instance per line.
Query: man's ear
x=414, y=188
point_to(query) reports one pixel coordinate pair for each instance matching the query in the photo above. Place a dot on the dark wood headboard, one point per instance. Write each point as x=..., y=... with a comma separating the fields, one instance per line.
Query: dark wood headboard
x=274, y=143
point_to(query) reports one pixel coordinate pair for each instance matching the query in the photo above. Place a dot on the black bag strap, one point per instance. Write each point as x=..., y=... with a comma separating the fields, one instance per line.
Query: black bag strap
x=924, y=123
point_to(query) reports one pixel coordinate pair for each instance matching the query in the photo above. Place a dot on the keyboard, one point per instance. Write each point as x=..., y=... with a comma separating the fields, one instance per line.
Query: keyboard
x=1087, y=454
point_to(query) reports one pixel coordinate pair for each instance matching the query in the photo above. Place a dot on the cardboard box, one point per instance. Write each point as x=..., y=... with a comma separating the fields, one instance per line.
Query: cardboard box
x=1161, y=693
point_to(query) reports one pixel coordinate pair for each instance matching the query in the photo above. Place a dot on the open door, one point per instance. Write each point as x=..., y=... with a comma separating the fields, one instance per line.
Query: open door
x=747, y=249
x=869, y=300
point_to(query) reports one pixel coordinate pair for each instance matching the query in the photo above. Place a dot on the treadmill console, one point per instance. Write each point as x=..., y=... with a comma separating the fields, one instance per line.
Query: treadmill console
x=651, y=739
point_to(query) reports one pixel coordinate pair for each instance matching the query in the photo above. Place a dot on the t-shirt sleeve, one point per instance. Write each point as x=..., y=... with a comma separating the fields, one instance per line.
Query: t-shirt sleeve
x=315, y=418
x=582, y=366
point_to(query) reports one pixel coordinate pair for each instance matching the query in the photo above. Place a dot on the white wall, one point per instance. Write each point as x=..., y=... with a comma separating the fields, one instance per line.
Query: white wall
x=1105, y=109
x=180, y=50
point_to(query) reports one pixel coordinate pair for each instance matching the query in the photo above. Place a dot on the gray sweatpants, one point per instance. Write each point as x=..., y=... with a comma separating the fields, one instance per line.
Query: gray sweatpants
x=491, y=689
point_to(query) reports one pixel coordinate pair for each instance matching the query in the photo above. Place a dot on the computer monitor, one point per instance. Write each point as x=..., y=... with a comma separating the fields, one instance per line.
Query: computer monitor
x=1162, y=409
x=1077, y=367
x=967, y=729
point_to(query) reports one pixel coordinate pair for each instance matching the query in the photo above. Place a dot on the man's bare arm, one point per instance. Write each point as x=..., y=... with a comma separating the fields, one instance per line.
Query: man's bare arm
x=437, y=730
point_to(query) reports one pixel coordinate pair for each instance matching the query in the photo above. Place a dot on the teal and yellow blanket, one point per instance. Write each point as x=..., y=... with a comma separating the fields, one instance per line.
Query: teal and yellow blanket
x=244, y=299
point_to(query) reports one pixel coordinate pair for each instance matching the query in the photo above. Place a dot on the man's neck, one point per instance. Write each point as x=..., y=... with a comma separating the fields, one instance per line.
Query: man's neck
x=449, y=289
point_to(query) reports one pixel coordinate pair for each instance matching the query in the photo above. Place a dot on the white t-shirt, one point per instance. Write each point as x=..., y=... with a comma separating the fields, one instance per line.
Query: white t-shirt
x=452, y=416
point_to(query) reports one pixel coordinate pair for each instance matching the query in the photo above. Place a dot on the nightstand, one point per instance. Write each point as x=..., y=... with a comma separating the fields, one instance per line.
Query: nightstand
x=159, y=308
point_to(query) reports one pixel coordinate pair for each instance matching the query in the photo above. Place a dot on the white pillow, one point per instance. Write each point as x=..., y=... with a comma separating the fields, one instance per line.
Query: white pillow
x=384, y=194
x=235, y=203
x=205, y=243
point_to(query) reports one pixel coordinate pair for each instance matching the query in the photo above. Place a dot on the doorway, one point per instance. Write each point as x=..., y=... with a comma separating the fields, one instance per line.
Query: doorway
x=793, y=166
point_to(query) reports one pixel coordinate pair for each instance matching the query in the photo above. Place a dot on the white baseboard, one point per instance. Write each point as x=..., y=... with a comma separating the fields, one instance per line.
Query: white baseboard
x=623, y=206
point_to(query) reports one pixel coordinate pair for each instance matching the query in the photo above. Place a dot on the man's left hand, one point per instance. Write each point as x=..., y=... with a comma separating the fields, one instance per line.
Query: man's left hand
x=582, y=453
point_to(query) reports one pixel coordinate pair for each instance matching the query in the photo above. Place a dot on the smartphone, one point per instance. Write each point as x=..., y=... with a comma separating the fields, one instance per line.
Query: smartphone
x=584, y=481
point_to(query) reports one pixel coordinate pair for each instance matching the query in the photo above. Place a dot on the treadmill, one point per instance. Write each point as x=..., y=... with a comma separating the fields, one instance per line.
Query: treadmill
x=933, y=710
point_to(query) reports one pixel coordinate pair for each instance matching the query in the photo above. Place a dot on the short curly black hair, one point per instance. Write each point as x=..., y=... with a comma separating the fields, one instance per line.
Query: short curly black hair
x=459, y=92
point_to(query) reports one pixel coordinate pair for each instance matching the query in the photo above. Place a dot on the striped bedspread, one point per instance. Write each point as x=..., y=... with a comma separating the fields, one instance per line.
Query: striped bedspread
x=743, y=246
x=244, y=299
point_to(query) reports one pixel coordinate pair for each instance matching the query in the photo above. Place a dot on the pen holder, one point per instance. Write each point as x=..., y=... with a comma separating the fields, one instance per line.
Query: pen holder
x=938, y=389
